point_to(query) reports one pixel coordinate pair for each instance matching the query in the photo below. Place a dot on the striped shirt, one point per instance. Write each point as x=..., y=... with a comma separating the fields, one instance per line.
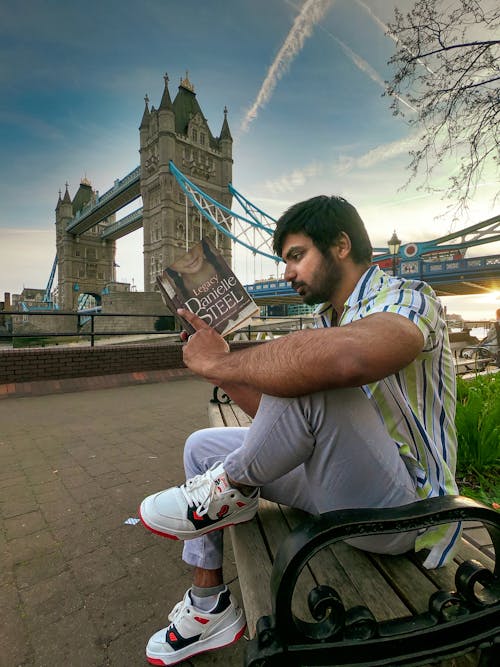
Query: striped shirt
x=416, y=404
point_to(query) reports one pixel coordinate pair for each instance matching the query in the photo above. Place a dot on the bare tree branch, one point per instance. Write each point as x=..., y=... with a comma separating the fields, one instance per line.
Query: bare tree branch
x=447, y=67
x=491, y=42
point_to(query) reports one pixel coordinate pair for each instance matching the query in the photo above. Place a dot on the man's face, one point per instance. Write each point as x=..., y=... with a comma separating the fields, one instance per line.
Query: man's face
x=313, y=276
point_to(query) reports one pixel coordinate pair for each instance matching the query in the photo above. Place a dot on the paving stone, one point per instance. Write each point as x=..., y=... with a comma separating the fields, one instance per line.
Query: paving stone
x=60, y=511
x=72, y=640
x=13, y=479
x=86, y=491
x=24, y=524
x=15, y=641
x=51, y=490
x=77, y=539
x=14, y=508
x=31, y=546
x=97, y=568
x=50, y=600
x=43, y=567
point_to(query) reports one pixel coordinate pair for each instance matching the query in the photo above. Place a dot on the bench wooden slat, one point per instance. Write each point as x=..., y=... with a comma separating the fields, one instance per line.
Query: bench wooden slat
x=215, y=415
x=443, y=578
x=324, y=566
x=350, y=569
x=241, y=416
x=249, y=548
x=467, y=551
x=276, y=529
x=229, y=417
x=410, y=584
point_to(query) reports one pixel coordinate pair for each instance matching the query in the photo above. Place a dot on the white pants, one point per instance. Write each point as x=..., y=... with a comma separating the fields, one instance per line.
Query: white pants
x=322, y=452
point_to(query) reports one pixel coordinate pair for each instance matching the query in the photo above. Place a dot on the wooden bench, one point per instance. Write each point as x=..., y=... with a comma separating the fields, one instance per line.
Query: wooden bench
x=367, y=609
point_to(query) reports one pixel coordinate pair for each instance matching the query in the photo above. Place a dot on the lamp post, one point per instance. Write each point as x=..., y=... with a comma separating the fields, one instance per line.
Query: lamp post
x=394, y=245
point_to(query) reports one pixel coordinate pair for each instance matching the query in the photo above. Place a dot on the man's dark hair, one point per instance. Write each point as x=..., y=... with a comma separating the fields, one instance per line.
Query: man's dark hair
x=323, y=219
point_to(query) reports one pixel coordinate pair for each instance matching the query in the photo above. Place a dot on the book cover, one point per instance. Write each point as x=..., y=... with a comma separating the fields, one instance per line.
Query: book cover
x=201, y=281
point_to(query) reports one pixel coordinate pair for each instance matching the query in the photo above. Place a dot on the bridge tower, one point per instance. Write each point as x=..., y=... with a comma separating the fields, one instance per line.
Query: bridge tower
x=179, y=131
x=86, y=263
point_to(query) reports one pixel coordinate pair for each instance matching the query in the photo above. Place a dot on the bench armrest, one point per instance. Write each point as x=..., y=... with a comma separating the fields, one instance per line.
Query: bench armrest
x=319, y=531
x=455, y=621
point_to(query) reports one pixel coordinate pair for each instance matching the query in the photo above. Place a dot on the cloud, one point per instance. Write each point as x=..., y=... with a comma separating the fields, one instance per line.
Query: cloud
x=311, y=13
x=289, y=182
x=293, y=180
x=386, y=152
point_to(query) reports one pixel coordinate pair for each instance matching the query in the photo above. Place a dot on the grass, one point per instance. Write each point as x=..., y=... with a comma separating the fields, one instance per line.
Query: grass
x=478, y=431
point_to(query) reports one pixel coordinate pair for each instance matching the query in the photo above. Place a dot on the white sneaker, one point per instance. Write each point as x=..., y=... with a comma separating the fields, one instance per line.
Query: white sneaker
x=192, y=631
x=204, y=503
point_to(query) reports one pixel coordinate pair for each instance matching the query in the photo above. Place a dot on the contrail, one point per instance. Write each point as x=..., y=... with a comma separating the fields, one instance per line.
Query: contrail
x=390, y=34
x=364, y=66
x=360, y=63
x=311, y=13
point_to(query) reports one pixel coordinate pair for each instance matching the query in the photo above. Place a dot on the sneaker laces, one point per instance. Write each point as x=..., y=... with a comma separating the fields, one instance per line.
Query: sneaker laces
x=180, y=608
x=176, y=611
x=200, y=490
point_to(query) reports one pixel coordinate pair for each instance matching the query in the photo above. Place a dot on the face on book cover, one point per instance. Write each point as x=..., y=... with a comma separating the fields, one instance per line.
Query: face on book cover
x=191, y=262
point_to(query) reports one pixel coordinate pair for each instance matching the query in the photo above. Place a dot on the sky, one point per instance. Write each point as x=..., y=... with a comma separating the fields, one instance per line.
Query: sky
x=302, y=81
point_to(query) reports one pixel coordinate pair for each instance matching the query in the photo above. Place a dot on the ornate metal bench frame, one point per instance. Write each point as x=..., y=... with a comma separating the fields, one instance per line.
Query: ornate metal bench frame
x=455, y=622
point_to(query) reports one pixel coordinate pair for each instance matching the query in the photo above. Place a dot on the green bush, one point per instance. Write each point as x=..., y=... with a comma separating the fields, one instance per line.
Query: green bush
x=478, y=432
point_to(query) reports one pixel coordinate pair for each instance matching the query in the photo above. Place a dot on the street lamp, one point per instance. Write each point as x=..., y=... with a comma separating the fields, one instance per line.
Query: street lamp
x=394, y=245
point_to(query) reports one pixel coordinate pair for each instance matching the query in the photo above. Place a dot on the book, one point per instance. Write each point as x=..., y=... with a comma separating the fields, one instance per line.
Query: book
x=202, y=281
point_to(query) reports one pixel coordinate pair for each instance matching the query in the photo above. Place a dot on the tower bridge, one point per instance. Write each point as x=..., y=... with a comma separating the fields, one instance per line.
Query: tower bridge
x=185, y=181
x=123, y=192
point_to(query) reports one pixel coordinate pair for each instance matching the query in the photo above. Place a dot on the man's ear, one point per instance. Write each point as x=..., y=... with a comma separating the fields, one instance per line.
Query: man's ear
x=343, y=246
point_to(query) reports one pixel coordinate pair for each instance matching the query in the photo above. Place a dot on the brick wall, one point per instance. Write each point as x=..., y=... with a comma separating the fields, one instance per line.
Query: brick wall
x=28, y=365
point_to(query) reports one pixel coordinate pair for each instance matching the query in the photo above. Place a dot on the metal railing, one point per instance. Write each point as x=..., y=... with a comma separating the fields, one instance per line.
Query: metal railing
x=477, y=358
x=164, y=324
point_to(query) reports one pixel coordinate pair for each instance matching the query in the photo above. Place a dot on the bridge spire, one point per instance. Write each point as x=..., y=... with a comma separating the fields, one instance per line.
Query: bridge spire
x=166, y=102
x=67, y=198
x=145, y=115
x=225, y=133
x=186, y=83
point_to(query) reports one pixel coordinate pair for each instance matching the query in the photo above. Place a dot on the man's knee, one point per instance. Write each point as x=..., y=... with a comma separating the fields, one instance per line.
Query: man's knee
x=207, y=446
x=194, y=451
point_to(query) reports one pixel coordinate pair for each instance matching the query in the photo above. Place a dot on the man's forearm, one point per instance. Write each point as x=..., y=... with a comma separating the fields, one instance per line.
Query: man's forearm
x=272, y=368
x=246, y=397
x=308, y=361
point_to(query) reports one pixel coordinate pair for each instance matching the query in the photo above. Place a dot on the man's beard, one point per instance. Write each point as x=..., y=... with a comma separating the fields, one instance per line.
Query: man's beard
x=323, y=282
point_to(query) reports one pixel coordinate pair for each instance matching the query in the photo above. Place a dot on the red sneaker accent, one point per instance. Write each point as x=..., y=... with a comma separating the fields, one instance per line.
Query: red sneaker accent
x=197, y=517
x=201, y=620
x=240, y=503
x=172, y=637
x=223, y=511
x=155, y=661
x=156, y=532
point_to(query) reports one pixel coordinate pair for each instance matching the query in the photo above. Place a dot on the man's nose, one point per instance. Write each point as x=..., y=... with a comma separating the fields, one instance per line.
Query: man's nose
x=290, y=273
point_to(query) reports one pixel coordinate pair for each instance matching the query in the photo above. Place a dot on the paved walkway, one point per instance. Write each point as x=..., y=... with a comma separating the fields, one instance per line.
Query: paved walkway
x=78, y=586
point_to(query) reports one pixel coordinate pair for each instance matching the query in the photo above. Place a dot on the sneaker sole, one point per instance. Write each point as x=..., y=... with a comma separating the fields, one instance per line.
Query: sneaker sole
x=192, y=534
x=224, y=638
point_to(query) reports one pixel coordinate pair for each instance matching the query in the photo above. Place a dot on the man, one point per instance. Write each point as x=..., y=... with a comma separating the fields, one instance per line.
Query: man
x=358, y=412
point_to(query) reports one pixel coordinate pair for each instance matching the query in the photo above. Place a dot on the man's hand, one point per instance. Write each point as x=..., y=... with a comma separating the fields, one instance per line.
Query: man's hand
x=205, y=349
